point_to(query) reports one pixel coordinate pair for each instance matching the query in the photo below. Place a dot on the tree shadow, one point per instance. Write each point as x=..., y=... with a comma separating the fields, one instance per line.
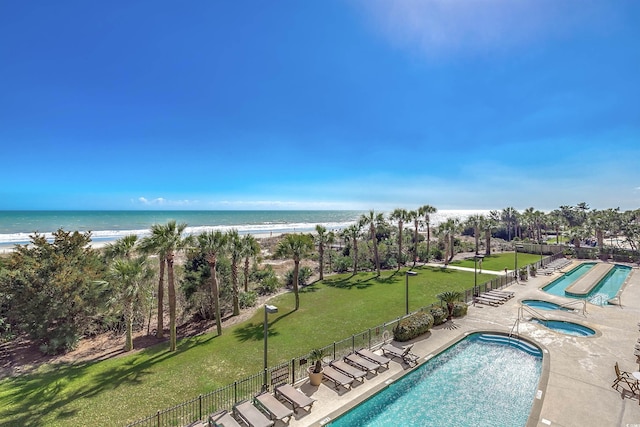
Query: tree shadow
x=255, y=331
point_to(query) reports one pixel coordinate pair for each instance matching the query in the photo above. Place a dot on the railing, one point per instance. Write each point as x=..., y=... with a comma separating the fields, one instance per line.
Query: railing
x=291, y=371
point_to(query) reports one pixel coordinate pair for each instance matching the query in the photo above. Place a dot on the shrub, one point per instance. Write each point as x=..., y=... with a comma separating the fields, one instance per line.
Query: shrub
x=247, y=299
x=267, y=281
x=304, y=273
x=439, y=314
x=342, y=264
x=460, y=309
x=413, y=326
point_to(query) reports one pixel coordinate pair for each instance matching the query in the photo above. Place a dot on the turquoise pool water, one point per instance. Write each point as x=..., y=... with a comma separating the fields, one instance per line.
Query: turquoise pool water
x=558, y=286
x=568, y=328
x=544, y=305
x=606, y=289
x=483, y=380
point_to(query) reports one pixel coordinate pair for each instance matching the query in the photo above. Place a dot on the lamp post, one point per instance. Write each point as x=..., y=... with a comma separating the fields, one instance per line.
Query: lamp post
x=406, y=289
x=475, y=276
x=515, y=271
x=268, y=309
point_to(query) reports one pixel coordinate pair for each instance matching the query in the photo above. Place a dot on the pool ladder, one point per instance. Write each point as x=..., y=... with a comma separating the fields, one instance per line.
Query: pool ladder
x=515, y=329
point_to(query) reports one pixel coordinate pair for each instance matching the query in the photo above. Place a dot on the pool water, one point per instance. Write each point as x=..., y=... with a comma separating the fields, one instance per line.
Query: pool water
x=483, y=380
x=567, y=328
x=558, y=286
x=544, y=305
x=606, y=289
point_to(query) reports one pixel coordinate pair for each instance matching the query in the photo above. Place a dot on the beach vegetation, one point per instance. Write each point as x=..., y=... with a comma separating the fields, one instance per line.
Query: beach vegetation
x=247, y=299
x=213, y=244
x=401, y=216
x=249, y=249
x=373, y=220
x=297, y=247
x=234, y=248
x=53, y=291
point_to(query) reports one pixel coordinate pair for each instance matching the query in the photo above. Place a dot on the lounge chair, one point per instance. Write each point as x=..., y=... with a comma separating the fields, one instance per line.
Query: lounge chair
x=623, y=379
x=349, y=370
x=222, y=419
x=338, y=378
x=499, y=300
x=362, y=363
x=276, y=409
x=251, y=415
x=403, y=353
x=295, y=397
x=485, y=301
x=503, y=295
x=374, y=357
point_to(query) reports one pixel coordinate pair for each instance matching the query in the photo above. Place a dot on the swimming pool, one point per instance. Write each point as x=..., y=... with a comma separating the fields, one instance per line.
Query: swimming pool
x=483, y=380
x=567, y=328
x=606, y=289
x=544, y=305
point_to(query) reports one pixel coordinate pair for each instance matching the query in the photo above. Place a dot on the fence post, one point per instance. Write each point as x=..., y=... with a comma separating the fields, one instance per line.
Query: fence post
x=293, y=371
x=353, y=343
x=235, y=392
x=200, y=406
x=158, y=418
x=334, y=350
x=369, y=338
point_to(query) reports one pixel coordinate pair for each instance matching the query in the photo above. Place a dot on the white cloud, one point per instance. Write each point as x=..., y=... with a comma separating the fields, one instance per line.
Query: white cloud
x=442, y=27
x=161, y=201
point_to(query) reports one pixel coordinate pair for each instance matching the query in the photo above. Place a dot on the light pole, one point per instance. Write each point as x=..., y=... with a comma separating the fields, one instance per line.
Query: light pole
x=406, y=289
x=268, y=309
x=475, y=276
x=515, y=271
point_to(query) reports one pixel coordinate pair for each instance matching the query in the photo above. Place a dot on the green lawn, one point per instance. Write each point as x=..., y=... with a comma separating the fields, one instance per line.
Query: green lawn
x=124, y=389
x=498, y=262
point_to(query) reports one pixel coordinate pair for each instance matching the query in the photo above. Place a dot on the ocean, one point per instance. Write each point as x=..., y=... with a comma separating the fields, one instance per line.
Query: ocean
x=106, y=226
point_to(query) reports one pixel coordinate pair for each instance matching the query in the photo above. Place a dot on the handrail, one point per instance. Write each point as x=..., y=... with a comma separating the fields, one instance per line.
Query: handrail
x=524, y=307
x=583, y=302
x=515, y=326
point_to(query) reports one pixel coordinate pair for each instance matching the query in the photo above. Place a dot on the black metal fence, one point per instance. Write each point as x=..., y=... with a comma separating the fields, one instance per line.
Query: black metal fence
x=296, y=369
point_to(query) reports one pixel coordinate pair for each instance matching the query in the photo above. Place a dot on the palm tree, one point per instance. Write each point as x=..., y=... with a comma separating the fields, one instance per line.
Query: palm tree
x=213, y=244
x=173, y=243
x=330, y=240
x=234, y=246
x=129, y=277
x=427, y=211
x=372, y=220
x=123, y=247
x=296, y=246
x=448, y=231
x=156, y=243
x=475, y=222
x=400, y=215
x=350, y=235
x=321, y=240
x=450, y=298
x=250, y=248
x=509, y=216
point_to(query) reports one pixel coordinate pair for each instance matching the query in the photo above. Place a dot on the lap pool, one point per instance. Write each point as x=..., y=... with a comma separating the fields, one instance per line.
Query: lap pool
x=605, y=290
x=483, y=380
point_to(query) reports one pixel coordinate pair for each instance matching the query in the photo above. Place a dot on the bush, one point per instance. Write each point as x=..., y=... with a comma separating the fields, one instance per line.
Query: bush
x=267, y=281
x=342, y=264
x=413, y=326
x=247, y=299
x=439, y=314
x=303, y=276
x=460, y=309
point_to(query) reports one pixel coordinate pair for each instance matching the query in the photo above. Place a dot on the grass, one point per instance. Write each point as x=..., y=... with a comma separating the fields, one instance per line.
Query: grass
x=124, y=389
x=498, y=262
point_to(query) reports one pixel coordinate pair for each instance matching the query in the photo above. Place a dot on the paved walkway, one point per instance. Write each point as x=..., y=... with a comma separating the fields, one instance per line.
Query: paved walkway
x=581, y=371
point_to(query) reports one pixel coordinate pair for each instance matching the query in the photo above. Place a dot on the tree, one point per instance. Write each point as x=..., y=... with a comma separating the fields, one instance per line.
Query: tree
x=55, y=290
x=123, y=247
x=450, y=298
x=426, y=211
x=321, y=240
x=510, y=219
x=213, y=244
x=166, y=241
x=489, y=223
x=249, y=249
x=372, y=220
x=448, y=231
x=296, y=246
x=401, y=215
x=475, y=222
x=156, y=243
x=234, y=247
x=129, y=277
x=350, y=235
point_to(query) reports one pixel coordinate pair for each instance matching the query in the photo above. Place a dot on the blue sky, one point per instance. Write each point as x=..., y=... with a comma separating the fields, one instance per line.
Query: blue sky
x=320, y=104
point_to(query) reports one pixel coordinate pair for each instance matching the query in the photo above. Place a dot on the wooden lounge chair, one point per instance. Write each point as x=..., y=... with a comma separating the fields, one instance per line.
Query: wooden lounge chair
x=338, y=378
x=276, y=409
x=374, y=357
x=222, y=419
x=402, y=353
x=295, y=397
x=499, y=300
x=623, y=379
x=349, y=370
x=362, y=363
x=251, y=415
x=485, y=301
x=499, y=294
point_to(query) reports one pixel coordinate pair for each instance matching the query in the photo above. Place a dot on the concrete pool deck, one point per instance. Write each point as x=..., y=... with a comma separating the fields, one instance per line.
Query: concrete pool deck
x=581, y=369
